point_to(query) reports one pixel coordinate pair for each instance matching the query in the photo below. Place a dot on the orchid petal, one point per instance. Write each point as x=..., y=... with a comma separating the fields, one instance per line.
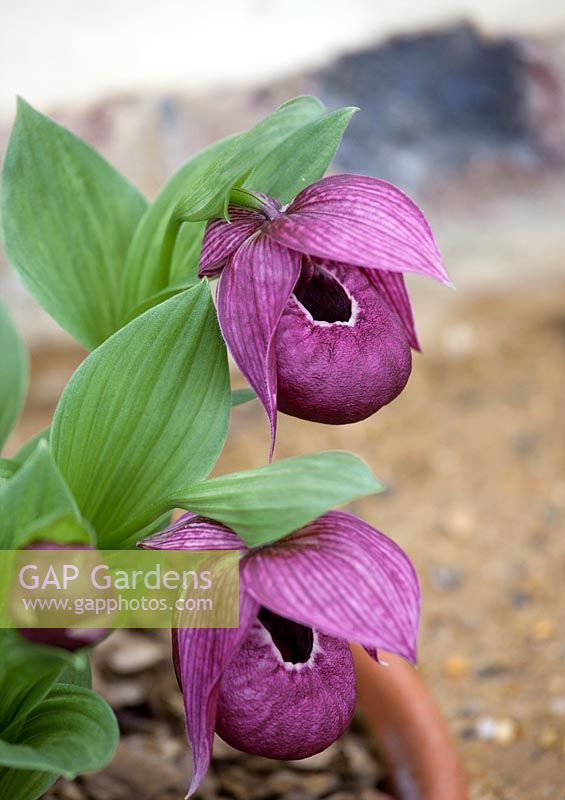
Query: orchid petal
x=392, y=288
x=202, y=655
x=362, y=221
x=252, y=294
x=342, y=577
x=192, y=532
x=222, y=238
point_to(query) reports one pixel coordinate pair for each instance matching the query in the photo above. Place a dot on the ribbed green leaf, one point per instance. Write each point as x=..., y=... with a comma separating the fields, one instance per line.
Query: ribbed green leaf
x=143, y=278
x=77, y=671
x=264, y=504
x=68, y=219
x=23, y=784
x=302, y=158
x=28, y=448
x=72, y=730
x=144, y=415
x=27, y=672
x=160, y=297
x=13, y=374
x=37, y=490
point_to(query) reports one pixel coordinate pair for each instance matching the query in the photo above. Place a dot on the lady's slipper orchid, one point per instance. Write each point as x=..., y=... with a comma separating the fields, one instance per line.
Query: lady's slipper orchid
x=312, y=301
x=282, y=685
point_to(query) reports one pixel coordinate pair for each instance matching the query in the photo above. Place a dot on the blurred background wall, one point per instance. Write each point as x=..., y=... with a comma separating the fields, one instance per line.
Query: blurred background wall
x=451, y=93
x=63, y=50
x=463, y=105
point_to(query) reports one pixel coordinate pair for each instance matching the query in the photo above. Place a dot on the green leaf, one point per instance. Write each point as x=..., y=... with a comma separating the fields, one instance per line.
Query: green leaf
x=160, y=297
x=186, y=255
x=241, y=396
x=264, y=504
x=29, y=447
x=71, y=731
x=143, y=279
x=61, y=527
x=207, y=196
x=302, y=158
x=8, y=468
x=68, y=219
x=13, y=374
x=157, y=525
x=144, y=415
x=78, y=672
x=36, y=491
x=130, y=541
x=27, y=672
x=20, y=784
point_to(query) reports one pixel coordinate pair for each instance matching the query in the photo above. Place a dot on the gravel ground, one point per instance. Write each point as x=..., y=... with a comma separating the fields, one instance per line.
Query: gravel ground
x=472, y=453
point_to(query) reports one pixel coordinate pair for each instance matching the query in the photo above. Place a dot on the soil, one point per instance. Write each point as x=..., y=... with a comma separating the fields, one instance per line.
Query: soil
x=472, y=455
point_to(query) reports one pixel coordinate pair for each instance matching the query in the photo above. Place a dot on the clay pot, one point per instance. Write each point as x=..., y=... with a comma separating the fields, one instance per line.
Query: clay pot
x=413, y=740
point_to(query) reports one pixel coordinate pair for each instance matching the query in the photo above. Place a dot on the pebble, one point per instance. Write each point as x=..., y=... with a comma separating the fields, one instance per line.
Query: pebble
x=224, y=751
x=494, y=670
x=502, y=731
x=69, y=791
x=283, y=781
x=524, y=443
x=135, y=654
x=169, y=747
x=320, y=761
x=557, y=706
x=548, y=738
x=236, y=781
x=121, y=694
x=321, y=783
x=468, y=733
x=461, y=522
x=456, y=666
x=521, y=599
x=370, y=793
x=103, y=787
x=362, y=763
x=543, y=630
x=446, y=577
x=261, y=764
x=458, y=340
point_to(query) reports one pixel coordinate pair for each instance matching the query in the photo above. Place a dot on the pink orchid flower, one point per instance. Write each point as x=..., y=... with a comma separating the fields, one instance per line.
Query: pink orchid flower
x=282, y=685
x=312, y=301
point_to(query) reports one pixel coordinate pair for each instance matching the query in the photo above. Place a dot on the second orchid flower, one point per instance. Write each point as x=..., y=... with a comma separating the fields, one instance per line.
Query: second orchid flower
x=282, y=685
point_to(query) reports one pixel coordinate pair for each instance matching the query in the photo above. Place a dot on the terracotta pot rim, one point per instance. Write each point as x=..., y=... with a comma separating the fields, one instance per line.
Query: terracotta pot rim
x=414, y=743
